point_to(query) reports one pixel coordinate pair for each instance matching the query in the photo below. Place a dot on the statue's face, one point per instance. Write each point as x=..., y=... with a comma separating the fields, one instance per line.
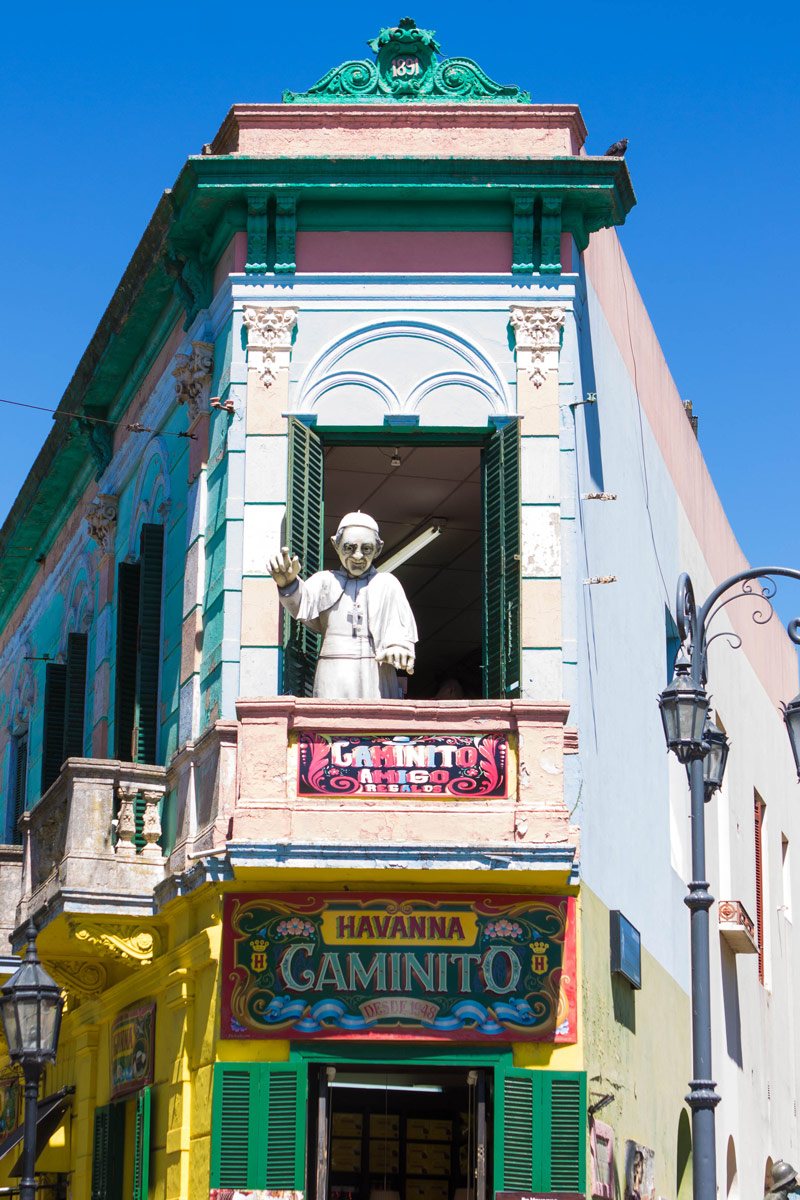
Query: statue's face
x=357, y=548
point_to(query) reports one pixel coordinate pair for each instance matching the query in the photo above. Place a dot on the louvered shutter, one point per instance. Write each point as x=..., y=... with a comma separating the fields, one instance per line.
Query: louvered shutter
x=283, y=1098
x=501, y=564
x=564, y=1131
x=541, y=1126
x=108, y=1147
x=128, y=577
x=20, y=785
x=55, y=689
x=259, y=1126
x=235, y=1119
x=304, y=533
x=75, y=702
x=149, y=660
x=141, y=1151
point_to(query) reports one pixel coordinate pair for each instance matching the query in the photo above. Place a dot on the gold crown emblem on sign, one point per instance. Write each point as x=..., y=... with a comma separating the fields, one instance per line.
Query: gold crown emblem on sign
x=258, y=944
x=538, y=947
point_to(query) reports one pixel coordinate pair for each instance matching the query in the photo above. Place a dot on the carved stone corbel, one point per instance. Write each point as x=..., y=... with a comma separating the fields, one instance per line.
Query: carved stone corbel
x=537, y=330
x=193, y=378
x=269, y=338
x=80, y=977
x=101, y=521
x=123, y=940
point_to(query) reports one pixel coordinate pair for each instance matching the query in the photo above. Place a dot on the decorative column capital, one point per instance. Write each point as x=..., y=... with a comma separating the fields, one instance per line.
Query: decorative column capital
x=193, y=378
x=537, y=331
x=269, y=338
x=101, y=521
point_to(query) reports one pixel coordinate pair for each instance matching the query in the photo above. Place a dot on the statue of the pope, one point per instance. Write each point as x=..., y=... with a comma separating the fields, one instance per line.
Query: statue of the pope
x=367, y=626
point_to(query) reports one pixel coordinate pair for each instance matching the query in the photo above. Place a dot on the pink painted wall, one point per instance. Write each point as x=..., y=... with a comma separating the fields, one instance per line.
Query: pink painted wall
x=403, y=251
x=231, y=261
x=766, y=646
x=408, y=130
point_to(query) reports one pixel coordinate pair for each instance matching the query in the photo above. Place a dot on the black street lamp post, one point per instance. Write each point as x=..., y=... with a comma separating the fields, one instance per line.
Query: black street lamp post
x=703, y=748
x=30, y=1007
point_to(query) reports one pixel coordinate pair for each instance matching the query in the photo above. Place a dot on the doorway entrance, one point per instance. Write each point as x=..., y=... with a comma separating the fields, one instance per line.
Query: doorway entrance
x=397, y=1132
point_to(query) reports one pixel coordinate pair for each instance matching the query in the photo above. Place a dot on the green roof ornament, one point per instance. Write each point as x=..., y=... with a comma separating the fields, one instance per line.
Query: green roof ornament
x=407, y=69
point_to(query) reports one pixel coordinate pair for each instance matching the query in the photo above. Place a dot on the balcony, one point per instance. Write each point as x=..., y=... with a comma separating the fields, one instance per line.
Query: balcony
x=91, y=843
x=306, y=784
x=303, y=801
x=736, y=928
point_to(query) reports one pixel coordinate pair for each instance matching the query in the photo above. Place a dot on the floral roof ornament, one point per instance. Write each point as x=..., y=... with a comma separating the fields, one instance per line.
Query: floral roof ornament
x=407, y=70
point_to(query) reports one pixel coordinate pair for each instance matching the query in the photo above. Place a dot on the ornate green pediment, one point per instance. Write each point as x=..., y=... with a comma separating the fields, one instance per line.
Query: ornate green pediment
x=406, y=68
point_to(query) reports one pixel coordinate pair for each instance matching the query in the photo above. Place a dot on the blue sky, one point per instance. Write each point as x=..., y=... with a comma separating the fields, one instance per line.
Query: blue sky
x=103, y=103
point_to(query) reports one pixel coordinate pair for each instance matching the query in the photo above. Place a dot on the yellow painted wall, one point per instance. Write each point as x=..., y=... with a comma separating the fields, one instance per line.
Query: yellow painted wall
x=184, y=981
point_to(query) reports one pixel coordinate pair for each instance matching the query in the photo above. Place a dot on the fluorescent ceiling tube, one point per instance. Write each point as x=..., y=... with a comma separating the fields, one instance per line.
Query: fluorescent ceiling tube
x=388, y=1087
x=411, y=548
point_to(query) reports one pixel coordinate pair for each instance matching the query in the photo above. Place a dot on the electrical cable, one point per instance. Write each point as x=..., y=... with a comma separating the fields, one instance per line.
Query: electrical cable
x=133, y=427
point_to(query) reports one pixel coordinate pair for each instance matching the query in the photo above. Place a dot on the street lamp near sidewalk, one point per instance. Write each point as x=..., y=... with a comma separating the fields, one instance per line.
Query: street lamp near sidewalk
x=703, y=749
x=30, y=1008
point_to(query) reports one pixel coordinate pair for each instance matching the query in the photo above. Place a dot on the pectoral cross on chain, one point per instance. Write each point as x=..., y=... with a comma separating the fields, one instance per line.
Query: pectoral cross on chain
x=356, y=619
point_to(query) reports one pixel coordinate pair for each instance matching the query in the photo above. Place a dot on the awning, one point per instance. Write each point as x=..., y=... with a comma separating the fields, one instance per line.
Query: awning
x=51, y=1110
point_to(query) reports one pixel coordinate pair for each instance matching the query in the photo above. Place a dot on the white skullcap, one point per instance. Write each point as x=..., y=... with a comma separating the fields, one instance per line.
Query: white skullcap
x=358, y=518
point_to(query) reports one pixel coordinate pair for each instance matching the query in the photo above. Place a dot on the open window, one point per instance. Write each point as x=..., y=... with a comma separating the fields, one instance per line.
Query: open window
x=461, y=489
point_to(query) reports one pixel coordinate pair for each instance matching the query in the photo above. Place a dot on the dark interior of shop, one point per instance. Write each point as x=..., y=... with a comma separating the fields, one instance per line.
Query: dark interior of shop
x=395, y=1133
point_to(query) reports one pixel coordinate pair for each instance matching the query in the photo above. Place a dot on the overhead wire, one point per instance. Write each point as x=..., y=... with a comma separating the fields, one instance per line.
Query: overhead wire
x=131, y=427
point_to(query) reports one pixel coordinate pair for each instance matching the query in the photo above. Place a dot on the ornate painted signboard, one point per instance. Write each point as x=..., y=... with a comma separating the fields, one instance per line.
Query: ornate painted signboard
x=377, y=965
x=428, y=766
x=132, y=1060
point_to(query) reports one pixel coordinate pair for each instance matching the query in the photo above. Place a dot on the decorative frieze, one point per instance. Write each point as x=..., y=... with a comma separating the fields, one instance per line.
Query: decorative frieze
x=537, y=329
x=193, y=378
x=124, y=940
x=101, y=521
x=269, y=338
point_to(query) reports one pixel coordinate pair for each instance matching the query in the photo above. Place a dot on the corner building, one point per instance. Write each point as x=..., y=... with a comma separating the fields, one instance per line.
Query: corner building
x=324, y=949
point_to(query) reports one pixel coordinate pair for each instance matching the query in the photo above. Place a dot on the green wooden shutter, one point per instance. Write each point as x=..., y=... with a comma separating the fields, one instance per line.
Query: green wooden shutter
x=55, y=689
x=75, y=702
x=20, y=786
x=564, y=1113
x=258, y=1126
x=540, y=1119
x=108, y=1148
x=284, y=1103
x=501, y=564
x=141, y=1153
x=304, y=534
x=149, y=660
x=234, y=1122
x=128, y=580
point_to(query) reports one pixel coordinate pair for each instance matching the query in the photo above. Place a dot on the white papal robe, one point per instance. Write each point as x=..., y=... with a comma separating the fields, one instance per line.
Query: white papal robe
x=359, y=619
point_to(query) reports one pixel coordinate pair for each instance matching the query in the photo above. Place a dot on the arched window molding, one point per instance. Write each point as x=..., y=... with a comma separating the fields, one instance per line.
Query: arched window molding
x=472, y=369
x=151, y=500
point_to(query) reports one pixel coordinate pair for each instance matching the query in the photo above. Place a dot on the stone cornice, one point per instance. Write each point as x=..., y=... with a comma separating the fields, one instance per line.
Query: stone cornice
x=443, y=715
